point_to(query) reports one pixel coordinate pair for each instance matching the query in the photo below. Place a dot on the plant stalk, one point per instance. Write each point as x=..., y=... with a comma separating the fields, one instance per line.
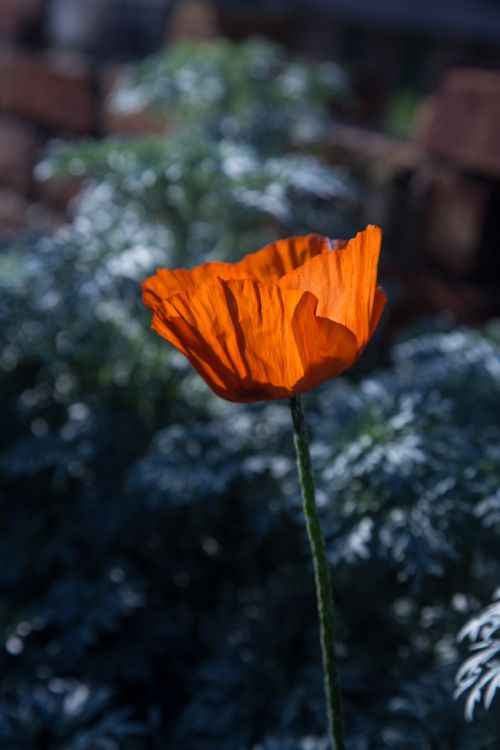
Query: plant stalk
x=322, y=579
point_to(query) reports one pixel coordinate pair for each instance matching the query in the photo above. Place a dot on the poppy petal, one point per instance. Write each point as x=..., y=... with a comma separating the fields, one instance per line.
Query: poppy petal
x=254, y=342
x=283, y=256
x=344, y=281
x=326, y=348
x=165, y=283
x=268, y=264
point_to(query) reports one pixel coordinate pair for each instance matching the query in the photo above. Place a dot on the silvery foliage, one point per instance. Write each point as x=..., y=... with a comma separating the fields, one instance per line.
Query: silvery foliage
x=191, y=510
x=216, y=199
x=231, y=178
x=282, y=743
x=479, y=676
x=251, y=92
x=405, y=461
x=73, y=714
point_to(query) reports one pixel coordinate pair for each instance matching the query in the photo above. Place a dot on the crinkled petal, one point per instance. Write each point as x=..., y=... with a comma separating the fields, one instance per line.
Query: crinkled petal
x=251, y=341
x=326, y=348
x=283, y=256
x=268, y=264
x=345, y=282
x=165, y=283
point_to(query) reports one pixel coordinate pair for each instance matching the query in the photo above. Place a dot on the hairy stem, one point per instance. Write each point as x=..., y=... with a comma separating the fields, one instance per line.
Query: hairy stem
x=322, y=579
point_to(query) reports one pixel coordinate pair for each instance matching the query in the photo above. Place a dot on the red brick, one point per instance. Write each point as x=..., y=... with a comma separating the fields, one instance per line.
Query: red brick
x=462, y=123
x=17, y=144
x=13, y=208
x=382, y=152
x=193, y=19
x=15, y=14
x=53, y=90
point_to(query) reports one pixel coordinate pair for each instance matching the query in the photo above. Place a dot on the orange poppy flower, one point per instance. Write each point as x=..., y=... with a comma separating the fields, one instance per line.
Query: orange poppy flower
x=277, y=323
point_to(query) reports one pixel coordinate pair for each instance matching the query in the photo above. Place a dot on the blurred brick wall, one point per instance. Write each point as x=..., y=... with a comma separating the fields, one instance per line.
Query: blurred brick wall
x=43, y=95
x=460, y=130
x=51, y=93
x=48, y=92
x=437, y=195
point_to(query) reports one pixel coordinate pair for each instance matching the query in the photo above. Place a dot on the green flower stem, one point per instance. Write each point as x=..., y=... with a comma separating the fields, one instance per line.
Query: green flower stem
x=322, y=579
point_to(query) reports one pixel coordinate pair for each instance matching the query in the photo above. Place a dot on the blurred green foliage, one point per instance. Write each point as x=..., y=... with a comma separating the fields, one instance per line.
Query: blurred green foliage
x=156, y=580
x=217, y=199
x=251, y=92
